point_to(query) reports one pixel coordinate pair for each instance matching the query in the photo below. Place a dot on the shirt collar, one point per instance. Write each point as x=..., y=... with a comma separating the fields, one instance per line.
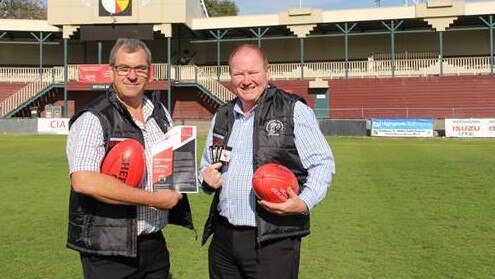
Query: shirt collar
x=238, y=109
x=147, y=107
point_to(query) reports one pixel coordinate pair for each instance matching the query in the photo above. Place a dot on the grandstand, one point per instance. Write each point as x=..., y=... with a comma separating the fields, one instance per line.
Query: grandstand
x=430, y=59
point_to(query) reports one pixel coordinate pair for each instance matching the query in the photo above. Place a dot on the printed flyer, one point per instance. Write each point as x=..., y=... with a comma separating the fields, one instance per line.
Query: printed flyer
x=174, y=161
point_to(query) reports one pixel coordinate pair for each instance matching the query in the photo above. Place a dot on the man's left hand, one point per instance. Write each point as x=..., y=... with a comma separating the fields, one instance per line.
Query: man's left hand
x=292, y=206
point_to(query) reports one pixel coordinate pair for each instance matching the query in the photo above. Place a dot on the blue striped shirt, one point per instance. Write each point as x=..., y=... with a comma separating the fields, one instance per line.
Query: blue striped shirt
x=86, y=149
x=237, y=200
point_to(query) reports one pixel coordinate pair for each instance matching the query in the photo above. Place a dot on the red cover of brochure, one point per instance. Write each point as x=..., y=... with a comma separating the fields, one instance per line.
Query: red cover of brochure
x=174, y=161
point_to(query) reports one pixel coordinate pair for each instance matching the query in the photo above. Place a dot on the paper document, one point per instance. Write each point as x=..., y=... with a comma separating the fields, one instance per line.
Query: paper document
x=174, y=161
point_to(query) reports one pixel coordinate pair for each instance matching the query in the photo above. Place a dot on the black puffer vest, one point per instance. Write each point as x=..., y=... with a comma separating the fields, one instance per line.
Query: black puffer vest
x=106, y=229
x=273, y=142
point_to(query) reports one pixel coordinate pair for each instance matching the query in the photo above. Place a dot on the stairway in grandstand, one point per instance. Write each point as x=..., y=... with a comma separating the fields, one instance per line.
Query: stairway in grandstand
x=28, y=84
x=9, y=88
x=32, y=83
x=205, y=80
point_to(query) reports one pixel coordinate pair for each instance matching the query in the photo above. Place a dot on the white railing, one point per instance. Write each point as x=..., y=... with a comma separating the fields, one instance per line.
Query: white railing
x=215, y=72
x=186, y=73
x=216, y=88
x=204, y=77
x=23, y=95
x=160, y=71
x=310, y=70
x=207, y=76
x=467, y=65
x=22, y=74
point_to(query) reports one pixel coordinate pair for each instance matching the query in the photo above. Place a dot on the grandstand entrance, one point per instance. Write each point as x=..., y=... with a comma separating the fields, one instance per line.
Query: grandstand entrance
x=321, y=102
x=319, y=89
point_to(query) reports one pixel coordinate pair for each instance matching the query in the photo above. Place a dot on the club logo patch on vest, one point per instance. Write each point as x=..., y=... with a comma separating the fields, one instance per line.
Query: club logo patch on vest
x=274, y=127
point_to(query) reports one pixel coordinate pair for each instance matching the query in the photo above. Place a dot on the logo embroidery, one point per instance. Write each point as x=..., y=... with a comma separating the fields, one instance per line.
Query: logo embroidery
x=274, y=127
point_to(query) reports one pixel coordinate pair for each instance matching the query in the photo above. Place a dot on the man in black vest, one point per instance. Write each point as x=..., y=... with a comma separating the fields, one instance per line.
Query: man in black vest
x=254, y=238
x=115, y=227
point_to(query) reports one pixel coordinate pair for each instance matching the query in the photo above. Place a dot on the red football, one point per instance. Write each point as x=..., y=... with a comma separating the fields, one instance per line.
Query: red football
x=271, y=181
x=126, y=162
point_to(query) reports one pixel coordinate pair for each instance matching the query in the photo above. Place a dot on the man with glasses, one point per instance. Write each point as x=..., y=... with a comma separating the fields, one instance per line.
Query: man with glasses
x=117, y=228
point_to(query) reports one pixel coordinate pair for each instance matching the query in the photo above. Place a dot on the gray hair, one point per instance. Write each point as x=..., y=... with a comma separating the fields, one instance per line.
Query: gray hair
x=129, y=45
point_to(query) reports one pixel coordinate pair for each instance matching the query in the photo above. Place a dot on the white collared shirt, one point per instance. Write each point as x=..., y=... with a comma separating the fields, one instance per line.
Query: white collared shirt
x=237, y=200
x=86, y=150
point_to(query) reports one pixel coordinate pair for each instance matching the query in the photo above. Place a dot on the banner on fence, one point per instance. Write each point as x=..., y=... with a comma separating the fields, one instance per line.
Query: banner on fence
x=402, y=127
x=95, y=73
x=58, y=126
x=470, y=128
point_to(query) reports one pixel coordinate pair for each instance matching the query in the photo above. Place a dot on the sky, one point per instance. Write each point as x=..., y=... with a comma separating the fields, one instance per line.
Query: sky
x=249, y=7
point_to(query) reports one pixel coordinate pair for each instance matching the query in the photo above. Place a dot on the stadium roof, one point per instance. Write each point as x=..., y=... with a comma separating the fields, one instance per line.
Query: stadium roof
x=432, y=15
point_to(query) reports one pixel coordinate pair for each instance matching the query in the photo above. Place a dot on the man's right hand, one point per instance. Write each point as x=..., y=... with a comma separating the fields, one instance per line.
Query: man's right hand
x=165, y=199
x=109, y=189
x=212, y=175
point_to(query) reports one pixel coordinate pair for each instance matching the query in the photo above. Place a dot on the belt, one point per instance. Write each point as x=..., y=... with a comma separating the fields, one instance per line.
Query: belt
x=224, y=222
x=157, y=234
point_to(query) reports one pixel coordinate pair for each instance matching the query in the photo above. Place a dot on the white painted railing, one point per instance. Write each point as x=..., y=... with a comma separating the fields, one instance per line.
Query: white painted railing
x=215, y=72
x=466, y=65
x=208, y=76
x=310, y=70
x=186, y=73
x=22, y=74
x=160, y=71
x=204, y=77
x=216, y=88
x=23, y=95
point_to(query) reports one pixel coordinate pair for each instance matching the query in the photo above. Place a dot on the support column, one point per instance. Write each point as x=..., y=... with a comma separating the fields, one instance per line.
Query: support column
x=346, y=30
x=218, y=37
x=392, y=28
x=440, y=56
x=301, y=43
x=169, y=75
x=67, y=31
x=259, y=34
x=65, y=76
x=99, y=52
x=491, y=25
x=40, y=40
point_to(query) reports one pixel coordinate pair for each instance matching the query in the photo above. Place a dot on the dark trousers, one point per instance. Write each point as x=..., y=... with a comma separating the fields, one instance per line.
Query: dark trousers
x=152, y=261
x=233, y=253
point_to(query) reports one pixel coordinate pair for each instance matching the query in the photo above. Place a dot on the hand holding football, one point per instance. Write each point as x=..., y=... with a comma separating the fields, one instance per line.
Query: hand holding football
x=126, y=162
x=271, y=181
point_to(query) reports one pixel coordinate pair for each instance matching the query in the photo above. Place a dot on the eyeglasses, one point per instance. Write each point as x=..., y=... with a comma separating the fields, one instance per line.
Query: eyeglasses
x=123, y=70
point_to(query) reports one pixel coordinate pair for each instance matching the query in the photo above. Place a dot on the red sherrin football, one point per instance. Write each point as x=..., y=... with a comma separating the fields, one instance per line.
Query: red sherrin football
x=271, y=181
x=126, y=162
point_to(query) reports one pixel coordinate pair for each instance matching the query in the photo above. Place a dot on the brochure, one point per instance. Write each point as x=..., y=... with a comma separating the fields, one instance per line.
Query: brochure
x=174, y=164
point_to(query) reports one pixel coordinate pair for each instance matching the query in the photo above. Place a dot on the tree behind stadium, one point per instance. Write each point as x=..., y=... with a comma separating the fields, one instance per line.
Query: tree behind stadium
x=221, y=8
x=22, y=9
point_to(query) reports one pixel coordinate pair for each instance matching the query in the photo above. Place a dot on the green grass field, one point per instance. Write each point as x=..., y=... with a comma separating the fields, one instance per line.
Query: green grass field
x=398, y=208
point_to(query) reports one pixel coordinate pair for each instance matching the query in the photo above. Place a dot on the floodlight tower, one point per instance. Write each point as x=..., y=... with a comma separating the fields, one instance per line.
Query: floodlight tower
x=203, y=7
